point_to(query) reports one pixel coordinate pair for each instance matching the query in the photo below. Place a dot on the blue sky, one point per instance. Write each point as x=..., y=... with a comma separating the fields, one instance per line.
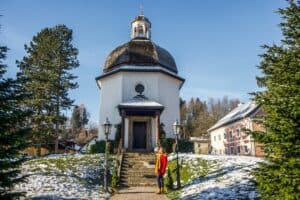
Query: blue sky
x=215, y=43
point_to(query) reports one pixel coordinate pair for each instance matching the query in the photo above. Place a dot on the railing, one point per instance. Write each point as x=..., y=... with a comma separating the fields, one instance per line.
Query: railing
x=120, y=152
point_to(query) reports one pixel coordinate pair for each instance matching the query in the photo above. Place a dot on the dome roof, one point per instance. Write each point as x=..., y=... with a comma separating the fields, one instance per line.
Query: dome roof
x=140, y=52
x=141, y=18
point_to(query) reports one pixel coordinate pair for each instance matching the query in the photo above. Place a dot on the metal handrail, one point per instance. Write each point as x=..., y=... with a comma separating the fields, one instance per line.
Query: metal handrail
x=120, y=152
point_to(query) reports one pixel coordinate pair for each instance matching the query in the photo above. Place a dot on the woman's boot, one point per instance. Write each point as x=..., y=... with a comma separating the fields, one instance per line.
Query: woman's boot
x=158, y=191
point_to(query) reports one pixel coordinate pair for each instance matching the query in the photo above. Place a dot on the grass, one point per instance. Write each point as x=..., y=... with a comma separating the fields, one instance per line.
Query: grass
x=190, y=169
x=87, y=169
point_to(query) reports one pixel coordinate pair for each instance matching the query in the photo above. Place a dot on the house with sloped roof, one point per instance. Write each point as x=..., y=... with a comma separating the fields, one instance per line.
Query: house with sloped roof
x=228, y=136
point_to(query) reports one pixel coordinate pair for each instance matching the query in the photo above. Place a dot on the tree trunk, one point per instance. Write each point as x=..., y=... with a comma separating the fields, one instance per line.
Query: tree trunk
x=57, y=113
x=56, y=146
x=39, y=150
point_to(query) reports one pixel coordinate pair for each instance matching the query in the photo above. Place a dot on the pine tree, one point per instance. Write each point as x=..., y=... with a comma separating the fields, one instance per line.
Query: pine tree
x=80, y=118
x=84, y=116
x=279, y=177
x=47, y=77
x=13, y=130
x=75, y=121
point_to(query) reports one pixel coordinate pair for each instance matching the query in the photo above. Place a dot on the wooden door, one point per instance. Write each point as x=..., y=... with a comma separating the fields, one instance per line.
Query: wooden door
x=139, y=135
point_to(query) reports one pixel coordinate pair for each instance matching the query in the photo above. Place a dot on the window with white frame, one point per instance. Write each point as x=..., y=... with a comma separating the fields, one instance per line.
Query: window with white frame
x=246, y=149
x=215, y=138
x=231, y=151
x=219, y=137
x=238, y=149
x=237, y=132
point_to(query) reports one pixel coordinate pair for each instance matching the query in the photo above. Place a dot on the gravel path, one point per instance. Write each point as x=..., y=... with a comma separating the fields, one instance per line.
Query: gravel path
x=138, y=193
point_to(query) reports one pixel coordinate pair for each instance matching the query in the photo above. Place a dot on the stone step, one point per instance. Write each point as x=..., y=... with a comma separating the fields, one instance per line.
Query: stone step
x=139, y=161
x=138, y=167
x=135, y=173
x=139, y=156
x=138, y=184
x=138, y=170
x=138, y=176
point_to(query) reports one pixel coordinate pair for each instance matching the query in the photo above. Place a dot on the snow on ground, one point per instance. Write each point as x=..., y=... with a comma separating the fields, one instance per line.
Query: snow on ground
x=228, y=177
x=64, y=177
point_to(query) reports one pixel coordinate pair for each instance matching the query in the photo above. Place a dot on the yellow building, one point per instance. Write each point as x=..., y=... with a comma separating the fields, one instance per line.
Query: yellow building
x=201, y=144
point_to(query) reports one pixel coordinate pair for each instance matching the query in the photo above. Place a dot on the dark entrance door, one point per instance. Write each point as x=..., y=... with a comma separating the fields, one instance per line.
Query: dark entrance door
x=139, y=135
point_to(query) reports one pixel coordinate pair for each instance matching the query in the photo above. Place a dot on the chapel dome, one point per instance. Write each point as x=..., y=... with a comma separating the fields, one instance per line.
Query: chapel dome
x=140, y=51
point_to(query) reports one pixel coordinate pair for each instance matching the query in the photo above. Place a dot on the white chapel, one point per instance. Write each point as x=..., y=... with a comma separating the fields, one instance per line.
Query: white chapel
x=139, y=89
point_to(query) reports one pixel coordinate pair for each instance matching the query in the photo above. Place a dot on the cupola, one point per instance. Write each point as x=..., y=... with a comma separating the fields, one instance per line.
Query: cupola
x=141, y=28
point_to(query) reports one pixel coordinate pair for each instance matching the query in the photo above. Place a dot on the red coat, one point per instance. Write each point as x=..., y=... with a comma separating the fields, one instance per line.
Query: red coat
x=163, y=164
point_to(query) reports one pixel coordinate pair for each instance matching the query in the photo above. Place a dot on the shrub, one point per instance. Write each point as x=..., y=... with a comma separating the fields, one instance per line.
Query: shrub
x=169, y=181
x=118, y=134
x=99, y=147
x=185, y=146
x=167, y=144
x=115, y=178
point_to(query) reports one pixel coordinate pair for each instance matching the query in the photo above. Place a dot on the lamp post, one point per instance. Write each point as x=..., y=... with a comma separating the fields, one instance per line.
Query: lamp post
x=176, y=129
x=107, y=128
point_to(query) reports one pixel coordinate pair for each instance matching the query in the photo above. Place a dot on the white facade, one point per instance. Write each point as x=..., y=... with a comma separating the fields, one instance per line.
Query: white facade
x=120, y=87
x=228, y=135
x=217, y=141
x=232, y=139
x=139, y=90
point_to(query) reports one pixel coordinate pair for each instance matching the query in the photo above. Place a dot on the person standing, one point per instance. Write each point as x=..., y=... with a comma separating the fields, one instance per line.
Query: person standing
x=160, y=169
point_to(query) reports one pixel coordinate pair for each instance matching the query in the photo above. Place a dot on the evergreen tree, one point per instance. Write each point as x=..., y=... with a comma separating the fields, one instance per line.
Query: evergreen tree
x=80, y=118
x=84, y=116
x=75, y=121
x=200, y=116
x=13, y=130
x=279, y=177
x=46, y=76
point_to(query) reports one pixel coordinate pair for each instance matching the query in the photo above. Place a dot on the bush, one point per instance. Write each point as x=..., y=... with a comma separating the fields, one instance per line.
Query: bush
x=185, y=146
x=99, y=147
x=115, y=178
x=167, y=144
x=118, y=134
x=169, y=181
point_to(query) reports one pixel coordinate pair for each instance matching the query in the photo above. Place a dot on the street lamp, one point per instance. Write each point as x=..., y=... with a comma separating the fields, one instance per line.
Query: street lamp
x=176, y=129
x=107, y=128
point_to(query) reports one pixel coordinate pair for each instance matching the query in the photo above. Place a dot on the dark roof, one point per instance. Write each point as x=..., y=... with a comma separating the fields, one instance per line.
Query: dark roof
x=140, y=52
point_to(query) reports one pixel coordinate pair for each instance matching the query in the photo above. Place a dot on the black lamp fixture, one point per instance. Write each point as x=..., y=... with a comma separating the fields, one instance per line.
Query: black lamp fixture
x=107, y=129
x=176, y=129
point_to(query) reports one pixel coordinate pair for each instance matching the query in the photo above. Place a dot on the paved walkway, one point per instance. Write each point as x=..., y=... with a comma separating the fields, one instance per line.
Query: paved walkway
x=138, y=193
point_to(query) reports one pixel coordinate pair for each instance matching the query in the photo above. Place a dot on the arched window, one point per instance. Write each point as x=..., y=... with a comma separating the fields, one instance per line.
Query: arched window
x=140, y=30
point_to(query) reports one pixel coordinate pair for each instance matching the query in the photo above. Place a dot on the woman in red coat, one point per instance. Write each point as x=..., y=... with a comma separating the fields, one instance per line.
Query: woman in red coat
x=160, y=169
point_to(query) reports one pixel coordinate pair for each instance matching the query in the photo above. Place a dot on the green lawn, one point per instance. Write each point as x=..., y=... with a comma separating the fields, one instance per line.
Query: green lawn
x=189, y=170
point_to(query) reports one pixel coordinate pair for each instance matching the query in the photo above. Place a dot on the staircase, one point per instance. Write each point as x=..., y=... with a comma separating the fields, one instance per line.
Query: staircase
x=137, y=170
